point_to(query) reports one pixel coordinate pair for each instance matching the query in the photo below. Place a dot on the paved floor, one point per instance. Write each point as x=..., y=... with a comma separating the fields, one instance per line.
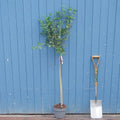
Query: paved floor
x=51, y=117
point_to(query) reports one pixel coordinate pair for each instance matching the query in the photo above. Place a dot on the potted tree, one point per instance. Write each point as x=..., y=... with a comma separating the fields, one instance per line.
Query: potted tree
x=56, y=30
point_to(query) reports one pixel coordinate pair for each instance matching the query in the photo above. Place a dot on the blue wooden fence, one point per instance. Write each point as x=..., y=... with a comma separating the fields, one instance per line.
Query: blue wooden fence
x=29, y=80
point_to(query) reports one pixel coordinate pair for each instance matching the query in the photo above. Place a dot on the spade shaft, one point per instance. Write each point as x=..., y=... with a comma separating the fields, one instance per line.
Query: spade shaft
x=96, y=69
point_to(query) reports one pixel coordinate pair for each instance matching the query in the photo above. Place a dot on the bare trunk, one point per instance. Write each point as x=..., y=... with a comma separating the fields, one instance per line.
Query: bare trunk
x=61, y=93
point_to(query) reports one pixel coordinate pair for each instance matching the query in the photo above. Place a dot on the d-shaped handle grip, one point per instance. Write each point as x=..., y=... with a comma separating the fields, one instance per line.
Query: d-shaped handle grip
x=95, y=56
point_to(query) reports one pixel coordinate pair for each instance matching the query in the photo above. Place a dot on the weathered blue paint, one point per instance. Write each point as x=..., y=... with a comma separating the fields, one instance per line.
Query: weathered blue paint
x=29, y=79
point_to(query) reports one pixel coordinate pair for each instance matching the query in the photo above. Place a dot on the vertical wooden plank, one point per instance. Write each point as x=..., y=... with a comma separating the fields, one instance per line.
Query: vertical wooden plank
x=65, y=68
x=57, y=84
x=44, y=63
x=14, y=51
x=96, y=21
x=117, y=38
x=95, y=43
x=29, y=55
x=36, y=55
x=72, y=63
x=116, y=62
x=87, y=54
x=102, y=46
x=8, y=57
x=22, y=56
x=50, y=9
x=2, y=66
x=109, y=52
x=3, y=86
x=118, y=90
x=80, y=49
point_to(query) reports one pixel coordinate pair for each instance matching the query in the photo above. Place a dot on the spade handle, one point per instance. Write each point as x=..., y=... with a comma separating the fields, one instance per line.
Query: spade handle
x=96, y=67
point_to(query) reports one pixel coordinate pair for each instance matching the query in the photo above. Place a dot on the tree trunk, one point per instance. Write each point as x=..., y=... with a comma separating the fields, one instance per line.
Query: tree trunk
x=61, y=93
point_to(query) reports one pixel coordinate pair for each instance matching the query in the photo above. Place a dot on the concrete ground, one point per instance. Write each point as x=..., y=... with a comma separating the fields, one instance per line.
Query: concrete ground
x=51, y=117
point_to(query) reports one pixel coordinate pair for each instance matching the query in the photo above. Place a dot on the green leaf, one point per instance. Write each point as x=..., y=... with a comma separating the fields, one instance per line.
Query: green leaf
x=75, y=10
x=39, y=45
x=35, y=47
x=63, y=53
x=57, y=12
x=63, y=9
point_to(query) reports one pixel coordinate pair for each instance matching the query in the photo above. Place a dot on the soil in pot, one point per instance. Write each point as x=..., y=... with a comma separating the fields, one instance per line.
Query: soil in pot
x=59, y=106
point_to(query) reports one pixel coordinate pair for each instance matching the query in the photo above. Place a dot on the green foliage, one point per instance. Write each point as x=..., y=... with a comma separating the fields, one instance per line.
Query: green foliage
x=56, y=29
